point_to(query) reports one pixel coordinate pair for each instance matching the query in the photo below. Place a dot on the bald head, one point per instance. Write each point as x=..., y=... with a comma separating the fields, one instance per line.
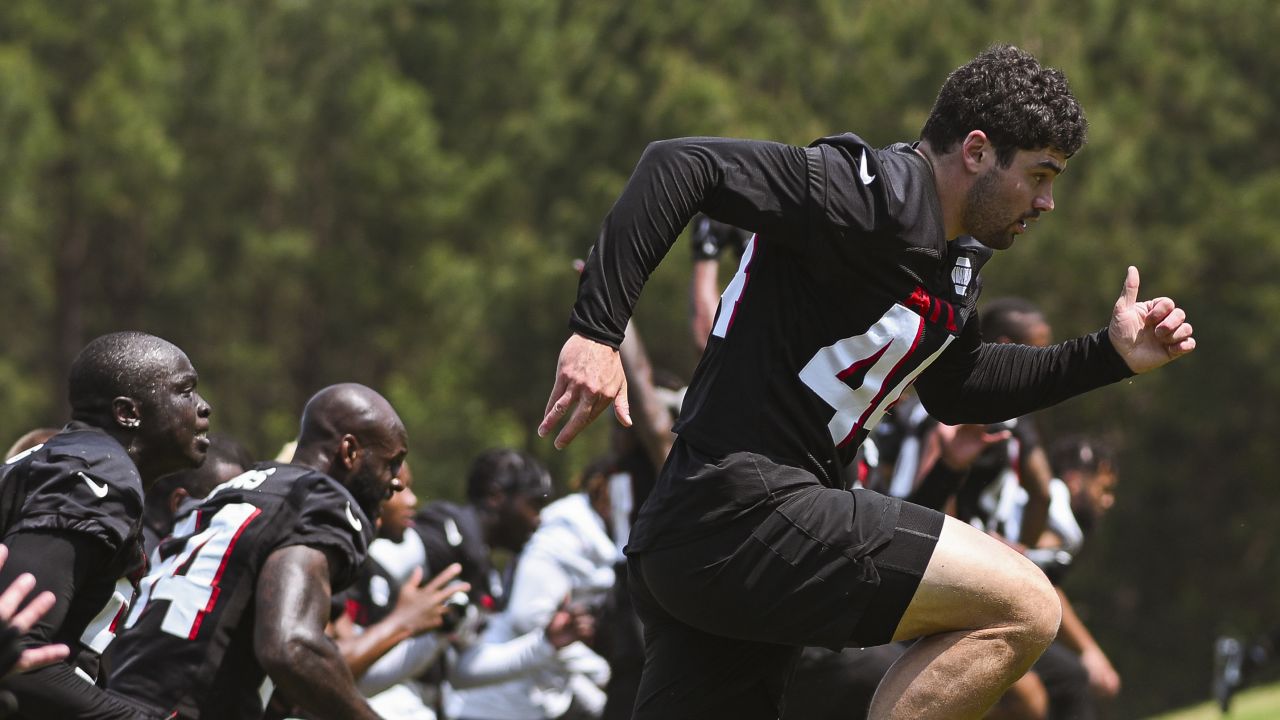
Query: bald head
x=352, y=433
x=122, y=364
x=347, y=409
x=1014, y=319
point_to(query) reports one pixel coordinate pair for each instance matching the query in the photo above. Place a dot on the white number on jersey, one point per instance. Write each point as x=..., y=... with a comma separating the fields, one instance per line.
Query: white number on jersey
x=102, y=629
x=880, y=351
x=732, y=294
x=200, y=562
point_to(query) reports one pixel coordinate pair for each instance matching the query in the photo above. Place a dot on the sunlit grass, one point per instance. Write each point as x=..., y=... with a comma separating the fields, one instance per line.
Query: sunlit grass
x=1261, y=703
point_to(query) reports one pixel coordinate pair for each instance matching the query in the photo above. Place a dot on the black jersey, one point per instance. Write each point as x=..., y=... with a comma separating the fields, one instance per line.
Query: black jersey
x=372, y=596
x=187, y=646
x=990, y=466
x=849, y=292
x=82, y=482
x=452, y=534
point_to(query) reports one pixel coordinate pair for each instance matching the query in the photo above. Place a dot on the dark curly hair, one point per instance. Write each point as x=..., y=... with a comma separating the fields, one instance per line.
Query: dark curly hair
x=1005, y=93
x=508, y=471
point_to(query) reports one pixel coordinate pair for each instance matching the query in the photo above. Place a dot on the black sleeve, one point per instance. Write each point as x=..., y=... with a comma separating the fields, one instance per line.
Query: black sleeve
x=977, y=382
x=758, y=186
x=450, y=540
x=65, y=494
x=330, y=522
x=60, y=561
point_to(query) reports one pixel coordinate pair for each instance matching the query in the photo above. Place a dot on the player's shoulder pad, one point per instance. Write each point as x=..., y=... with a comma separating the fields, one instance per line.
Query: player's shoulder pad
x=82, y=448
x=848, y=179
x=80, y=481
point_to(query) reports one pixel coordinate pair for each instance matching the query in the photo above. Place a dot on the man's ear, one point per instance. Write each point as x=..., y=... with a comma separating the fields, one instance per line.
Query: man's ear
x=494, y=498
x=126, y=412
x=175, y=499
x=349, y=452
x=977, y=153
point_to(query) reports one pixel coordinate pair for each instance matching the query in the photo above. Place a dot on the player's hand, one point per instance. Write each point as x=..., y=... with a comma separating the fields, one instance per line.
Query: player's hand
x=422, y=609
x=1103, y=678
x=569, y=625
x=962, y=444
x=589, y=377
x=15, y=624
x=1150, y=333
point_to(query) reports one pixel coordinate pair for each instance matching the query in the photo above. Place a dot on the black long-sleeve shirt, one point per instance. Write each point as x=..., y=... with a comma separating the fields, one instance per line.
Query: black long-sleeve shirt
x=849, y=292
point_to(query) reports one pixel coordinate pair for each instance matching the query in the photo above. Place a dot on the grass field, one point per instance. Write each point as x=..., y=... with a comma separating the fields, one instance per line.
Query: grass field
x=1261, y=703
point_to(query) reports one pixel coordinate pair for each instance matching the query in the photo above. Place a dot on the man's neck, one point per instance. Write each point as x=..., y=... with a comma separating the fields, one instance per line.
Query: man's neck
x=949, y=186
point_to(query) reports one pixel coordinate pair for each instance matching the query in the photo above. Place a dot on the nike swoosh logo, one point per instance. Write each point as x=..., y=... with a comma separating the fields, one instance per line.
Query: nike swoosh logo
x=95, y=488
x=863, y=175
x=355, y=521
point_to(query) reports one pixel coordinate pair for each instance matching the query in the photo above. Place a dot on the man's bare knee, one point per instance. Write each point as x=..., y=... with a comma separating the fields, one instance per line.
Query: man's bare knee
x=1039, y=613
x=976, y=583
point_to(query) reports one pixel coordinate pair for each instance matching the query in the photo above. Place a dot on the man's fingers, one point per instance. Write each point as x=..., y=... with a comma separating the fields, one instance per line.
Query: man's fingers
x=622, y=406
x=445, y=576
x=448, y=592
x=41, y=656
x=1129, y=294
x=14, y=594
x=34, y=610
x=415, y=577
x=1182, y=332
x=557, y=405
x=1181, y=347
x=583, y=414
x=1170, y=322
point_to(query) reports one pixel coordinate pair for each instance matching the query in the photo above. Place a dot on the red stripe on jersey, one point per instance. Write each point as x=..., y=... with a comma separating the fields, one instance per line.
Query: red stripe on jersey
x=215, y=587
x=885, y=386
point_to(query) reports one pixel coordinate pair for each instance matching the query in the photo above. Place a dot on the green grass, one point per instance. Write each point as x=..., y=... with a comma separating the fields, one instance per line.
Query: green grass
x=1260, y=703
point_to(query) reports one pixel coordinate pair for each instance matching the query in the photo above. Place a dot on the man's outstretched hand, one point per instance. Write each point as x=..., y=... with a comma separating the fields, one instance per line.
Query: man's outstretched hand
x=589, y=378
x=1150, y=333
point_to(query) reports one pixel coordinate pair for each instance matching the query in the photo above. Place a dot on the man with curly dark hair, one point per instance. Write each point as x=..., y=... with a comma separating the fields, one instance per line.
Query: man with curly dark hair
x=862, y=279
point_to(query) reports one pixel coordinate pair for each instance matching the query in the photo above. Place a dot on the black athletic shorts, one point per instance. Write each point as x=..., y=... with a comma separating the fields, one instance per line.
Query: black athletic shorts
x=726, y=615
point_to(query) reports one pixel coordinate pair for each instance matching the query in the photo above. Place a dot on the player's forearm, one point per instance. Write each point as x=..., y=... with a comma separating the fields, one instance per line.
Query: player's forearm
x=751, y=184
x=406, y=660
x=1073, y=632
x=984, y=382
x=654, y=426
x=484, y=663
x=361, y=650
x=313, y=675
x=704, y=297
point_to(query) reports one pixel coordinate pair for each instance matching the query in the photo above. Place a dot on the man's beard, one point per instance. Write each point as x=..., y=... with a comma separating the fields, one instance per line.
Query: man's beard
x=982, y=218
x=369, y=493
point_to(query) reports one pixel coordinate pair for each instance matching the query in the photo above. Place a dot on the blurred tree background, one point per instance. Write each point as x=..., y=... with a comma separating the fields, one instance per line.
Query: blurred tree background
x=392, y=191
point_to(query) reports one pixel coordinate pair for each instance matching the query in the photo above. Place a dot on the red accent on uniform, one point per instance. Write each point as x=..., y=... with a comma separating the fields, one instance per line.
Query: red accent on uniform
x=919, y=301
x=886, y=385
x=488, y=603
x=213, y=596
x=951, y=317
x=864, y=362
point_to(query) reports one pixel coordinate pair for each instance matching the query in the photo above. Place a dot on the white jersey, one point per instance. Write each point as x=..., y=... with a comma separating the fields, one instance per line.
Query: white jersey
x=571, y=554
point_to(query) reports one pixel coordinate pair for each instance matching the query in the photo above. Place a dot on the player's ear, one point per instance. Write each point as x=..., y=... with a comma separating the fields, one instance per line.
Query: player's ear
x=494, y=498
x=175, y=499
x=977, y=153
x=349, y=452
x=126, y=412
